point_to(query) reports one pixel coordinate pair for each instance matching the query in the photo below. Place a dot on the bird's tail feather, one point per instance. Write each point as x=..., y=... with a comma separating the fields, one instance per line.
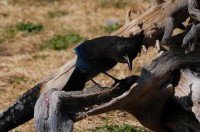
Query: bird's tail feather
x=76, y=82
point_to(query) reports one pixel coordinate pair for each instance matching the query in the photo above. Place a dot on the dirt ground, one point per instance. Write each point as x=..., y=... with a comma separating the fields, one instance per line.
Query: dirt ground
x=23, y=64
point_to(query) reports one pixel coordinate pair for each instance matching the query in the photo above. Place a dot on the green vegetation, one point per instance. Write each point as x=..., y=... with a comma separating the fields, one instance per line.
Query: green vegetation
x=61, y=42
x=118, y=128
x=113, y=3
x=120, y=4
x=111, y=28
x=53, y=14
x=30, y=27
x=37, y=57
x=17, y=80
x=121, y=128
x=10, y=32
x=52, y=0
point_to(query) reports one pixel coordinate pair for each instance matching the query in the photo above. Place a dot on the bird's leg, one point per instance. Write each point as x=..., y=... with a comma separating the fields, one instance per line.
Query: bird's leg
x=95, y=83
x=115, y=79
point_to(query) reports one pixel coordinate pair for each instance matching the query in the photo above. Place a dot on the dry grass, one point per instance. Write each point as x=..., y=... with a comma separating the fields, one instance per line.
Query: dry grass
x=23, y=65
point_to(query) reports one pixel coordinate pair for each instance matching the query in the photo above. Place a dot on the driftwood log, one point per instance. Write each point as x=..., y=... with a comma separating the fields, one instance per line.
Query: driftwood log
x=165, y=97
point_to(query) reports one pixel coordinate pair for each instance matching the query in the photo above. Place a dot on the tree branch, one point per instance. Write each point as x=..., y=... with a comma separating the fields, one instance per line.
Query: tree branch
x=156, y=20
x=150, y=99
x=193, y=9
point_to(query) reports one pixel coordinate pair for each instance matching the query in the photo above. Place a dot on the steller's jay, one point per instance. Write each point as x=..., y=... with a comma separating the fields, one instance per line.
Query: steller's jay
x=101, y=54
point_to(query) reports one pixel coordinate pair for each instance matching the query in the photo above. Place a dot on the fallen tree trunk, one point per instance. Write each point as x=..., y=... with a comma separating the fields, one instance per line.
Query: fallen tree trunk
x=152, y=99
x=155, y=89
x=48, y=115
x=193, y=8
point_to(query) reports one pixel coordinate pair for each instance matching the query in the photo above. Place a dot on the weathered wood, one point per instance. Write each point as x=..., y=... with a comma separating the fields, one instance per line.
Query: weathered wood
x=49, y=114
x=156, y=2
x=194, y=9
x=21, y=111
x=192, y=38
x=157, y=21
x=187, y=92
x=153, y=99
x=148, y=98
x=53, y=109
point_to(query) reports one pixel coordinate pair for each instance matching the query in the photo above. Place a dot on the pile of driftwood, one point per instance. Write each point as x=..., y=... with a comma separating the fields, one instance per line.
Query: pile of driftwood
x=164, y=97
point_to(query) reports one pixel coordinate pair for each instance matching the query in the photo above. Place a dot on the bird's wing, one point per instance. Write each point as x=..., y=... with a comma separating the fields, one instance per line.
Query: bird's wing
x=85, y=54
x=95, y=48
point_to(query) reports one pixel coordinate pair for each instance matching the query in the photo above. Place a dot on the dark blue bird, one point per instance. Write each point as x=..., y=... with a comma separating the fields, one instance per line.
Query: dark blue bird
x=100, y=55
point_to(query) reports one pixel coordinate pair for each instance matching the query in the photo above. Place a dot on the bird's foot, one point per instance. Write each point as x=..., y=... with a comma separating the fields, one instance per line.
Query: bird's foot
x=115, y=79
x=96, y=84
x=116, y=82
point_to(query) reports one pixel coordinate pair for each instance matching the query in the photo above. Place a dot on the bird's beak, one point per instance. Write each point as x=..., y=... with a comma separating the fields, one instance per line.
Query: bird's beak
x=128, y=62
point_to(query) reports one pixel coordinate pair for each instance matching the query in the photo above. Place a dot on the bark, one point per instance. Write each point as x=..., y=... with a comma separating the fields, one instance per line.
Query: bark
x=156, y=21
x=156, y=2
x=48, y=116
x=193, y=8
x=55, y=110
x=192, y=39
x=21, y=111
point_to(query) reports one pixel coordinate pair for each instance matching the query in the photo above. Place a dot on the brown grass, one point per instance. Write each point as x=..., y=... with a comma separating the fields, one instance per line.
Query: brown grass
x=22, y=65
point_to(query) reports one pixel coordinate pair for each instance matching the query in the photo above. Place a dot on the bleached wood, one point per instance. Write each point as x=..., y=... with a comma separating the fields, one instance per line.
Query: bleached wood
x=193, y=8
x=156, y=21
x=49, y=115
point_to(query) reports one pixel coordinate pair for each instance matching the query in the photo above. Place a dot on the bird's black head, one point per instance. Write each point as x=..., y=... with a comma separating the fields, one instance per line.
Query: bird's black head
x=128, y=48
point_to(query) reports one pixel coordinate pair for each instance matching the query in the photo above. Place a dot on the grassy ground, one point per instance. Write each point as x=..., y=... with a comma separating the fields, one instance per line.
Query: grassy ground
x=38, y=36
